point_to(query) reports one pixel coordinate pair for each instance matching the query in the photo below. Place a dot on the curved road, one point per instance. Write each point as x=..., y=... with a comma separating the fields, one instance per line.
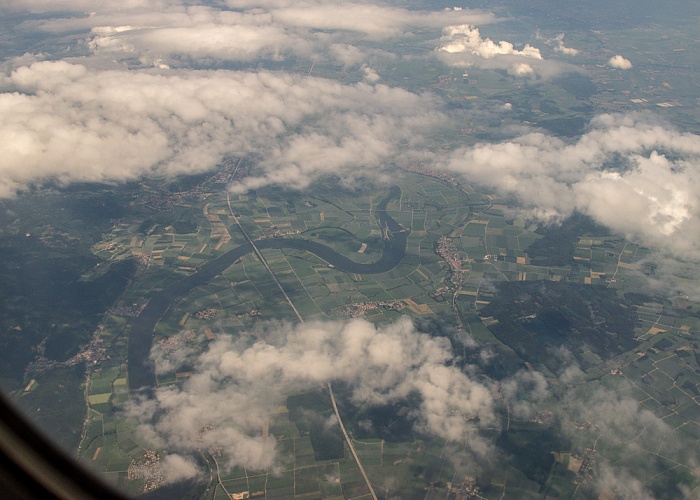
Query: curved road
x=141, y=371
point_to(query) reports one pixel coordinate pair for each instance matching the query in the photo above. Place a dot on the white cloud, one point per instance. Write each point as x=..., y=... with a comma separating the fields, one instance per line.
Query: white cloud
x=620, y=483
x=463, y=46
x=649, y=196
x=466, y=38
x=177, y=34
x=67, y=122
x=176, y=468
x=557, y=43
x=619, y=62
x=55, y=6
x=569, y=51
x=523, y=392
x=375, y=21
x=214, y=41
x=370, y=75
x=624, y=429
x=181, y=36
x=521, y=70
x=238, y=384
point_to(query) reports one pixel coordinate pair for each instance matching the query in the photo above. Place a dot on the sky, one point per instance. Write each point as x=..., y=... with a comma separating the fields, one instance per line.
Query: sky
x=119, y=91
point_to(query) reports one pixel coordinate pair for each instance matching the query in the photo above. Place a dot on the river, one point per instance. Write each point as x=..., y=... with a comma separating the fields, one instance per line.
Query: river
x=141, y=370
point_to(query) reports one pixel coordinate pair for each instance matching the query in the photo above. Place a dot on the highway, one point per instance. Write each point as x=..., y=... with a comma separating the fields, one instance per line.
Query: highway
x=349, y=441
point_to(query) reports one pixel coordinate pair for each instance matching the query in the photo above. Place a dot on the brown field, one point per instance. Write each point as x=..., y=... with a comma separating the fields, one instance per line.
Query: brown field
x=418, y=308
x=574, y=463
x=654, y=331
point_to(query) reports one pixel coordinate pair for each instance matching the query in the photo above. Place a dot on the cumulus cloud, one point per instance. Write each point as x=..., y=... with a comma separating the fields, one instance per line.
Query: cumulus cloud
x=192, y=43
x=55, y=6
x=619, y=62
x=466, y=38
x=521, y=69
x=237, y=385
x=375, y=21
x=378, y=21
x=463, y=46
x=557, y=43
x=370, y=75
x=559, y=46
x=624, y=420
x=66, y=122
x=523, y=392
x=671, y=277
x=183, y=36
x=177, y=468
x=628, y=172
x=627, y=430
x=618, y=482
x=177, y=34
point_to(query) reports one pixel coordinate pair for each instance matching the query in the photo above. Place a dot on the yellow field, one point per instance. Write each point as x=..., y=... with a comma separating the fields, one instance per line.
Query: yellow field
x=654, y=331
x=574, y=464
x=418, y=308
x=96, y=399
x=425, y=277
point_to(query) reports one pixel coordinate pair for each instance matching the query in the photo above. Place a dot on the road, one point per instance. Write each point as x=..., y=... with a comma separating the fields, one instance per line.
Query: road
x=349, y=441
x=262, y=259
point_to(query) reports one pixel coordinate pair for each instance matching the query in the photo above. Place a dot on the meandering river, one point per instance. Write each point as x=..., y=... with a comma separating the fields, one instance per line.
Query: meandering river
x=141, y=370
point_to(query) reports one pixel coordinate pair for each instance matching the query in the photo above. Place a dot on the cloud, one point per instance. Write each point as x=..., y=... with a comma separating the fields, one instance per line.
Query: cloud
x=671, y=277
x=195, y=35
x=521, y=70
x=629, y=172
x=180, y=35
x=177, y=468
x=617, y=482
x=238, y=383
x=377, y=22
x=69, y=123
x=209, y=41
x=466, y=38
x=72, y=6
x=558, y=43
x=370, y=75
x=619, y=62
x=523, y=392
x=623, y=420
x=463, y=46
x=622, y=428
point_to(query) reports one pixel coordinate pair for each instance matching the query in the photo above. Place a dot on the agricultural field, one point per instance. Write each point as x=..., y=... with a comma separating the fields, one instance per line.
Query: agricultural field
x=467, y=256
x=401, y=249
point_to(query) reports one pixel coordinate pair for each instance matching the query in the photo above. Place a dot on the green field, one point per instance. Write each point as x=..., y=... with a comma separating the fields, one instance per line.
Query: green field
x=497, y=251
